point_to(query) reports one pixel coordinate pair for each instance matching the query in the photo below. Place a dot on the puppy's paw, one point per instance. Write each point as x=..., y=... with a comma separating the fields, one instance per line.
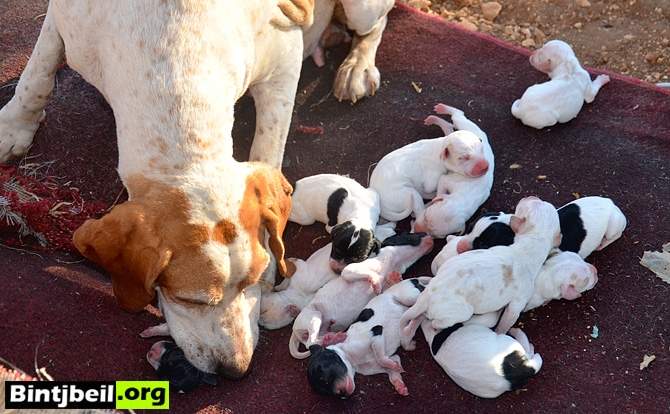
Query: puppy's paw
x=603, y=79
x=375, y=283
x=400, y=387
x=356, y=78
x=16, y=135
x=332, y=338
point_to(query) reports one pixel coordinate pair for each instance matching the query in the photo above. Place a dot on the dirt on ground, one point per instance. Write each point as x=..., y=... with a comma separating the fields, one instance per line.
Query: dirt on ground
x=631, y=37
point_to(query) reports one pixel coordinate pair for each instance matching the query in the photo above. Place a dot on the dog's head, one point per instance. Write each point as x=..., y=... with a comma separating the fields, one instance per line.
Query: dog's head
x=351, y=244
x=570, y=273
x=554, y=54
x=330, y=374
x=538, y=217
x=200, y=243
x=464, y=154
x=440, y=218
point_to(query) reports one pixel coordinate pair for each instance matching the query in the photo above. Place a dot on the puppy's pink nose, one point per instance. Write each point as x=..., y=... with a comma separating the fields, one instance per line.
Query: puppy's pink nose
x=480, y=168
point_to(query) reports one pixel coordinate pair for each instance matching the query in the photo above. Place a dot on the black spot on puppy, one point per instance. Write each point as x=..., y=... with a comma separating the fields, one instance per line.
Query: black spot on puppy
x=572, y=228
x=516, y=370
x=496, y=234
x=335, y=201
x=325, y=368
x=377, y=330
x=417, y=285
x=352, y=245
x=442, y=336
x=365, y=315
x=404, y=239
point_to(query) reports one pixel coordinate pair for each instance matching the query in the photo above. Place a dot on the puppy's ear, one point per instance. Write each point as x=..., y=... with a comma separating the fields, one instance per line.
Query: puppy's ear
x=569, y=292
x=517, y=224
x=463, y=246
x=124, y=242
x=376, y=246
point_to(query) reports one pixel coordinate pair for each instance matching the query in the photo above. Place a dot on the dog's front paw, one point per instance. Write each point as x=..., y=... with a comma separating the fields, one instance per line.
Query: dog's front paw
x=356, y=78
x=16, y=135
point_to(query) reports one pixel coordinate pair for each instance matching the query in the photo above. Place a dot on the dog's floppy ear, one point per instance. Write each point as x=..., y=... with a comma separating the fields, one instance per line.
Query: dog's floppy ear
x=300, y=12
x=125, y=244
x=267, y=204
x=517, y=223
x=569, y=291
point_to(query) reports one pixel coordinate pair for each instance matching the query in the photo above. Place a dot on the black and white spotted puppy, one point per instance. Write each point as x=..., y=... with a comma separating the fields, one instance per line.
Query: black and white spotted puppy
x=349, y=211
x=479, y=360
x=370, y=344
x=171, y=364
x=589, y=224
x=492, y=229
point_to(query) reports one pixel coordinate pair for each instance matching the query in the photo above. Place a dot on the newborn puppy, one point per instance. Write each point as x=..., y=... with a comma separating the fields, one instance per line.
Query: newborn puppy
x=561, y=98
x=482, y=281
x=369, y=345
x=458, y=196
x=564, y=275
x=492, y=229
x=404, y=177
x=280, y=306
x=336, y=305
x=590, y=223
x=480, y=361
x=349, y=211
x=171, y=364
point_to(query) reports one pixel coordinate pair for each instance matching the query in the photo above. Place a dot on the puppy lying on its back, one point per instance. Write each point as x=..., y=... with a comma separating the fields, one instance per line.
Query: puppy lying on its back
x=349, y=211
x=404, y=177
x=369, y=346
x=479, y=360
x=561, y=98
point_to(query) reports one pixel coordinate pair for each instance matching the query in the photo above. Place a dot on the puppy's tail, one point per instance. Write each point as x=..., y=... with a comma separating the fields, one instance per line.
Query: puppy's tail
x=293, y=347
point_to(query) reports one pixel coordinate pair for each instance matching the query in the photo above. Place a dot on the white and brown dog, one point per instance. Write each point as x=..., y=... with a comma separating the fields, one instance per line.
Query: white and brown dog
x=561, y=98
x=408, y=175
x=458, y=195
x=482, y=281
x=349, y=211
x=195, y=221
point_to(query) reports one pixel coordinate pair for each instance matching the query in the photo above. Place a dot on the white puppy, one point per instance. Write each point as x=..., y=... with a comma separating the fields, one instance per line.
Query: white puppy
x=280, y=306
x=336, y=305
x=479, y=360
x=369, y=345
x=492, y=229
x=349, y=211
x=561, y=98
x=482, y=281
x=564, y=275
x=458, y=196
x=590, y=223
x=404, y=177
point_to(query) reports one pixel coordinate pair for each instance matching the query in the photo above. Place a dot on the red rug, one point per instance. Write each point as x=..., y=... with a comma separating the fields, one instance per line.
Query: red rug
x=619, y=147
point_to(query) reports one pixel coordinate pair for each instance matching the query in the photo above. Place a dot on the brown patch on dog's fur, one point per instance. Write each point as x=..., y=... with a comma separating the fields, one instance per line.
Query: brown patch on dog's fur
x=224, y=232
x=508, y=275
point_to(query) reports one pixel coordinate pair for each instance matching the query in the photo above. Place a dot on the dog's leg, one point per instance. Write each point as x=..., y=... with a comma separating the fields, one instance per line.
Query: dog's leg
x=358, y=76
x=273, y=98
x=594, y=88
x=20, y=118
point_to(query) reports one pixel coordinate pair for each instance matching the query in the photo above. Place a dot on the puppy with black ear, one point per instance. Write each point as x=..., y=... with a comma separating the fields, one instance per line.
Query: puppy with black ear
x=479, y=360
x=370, y=344
x=349, y=211
x=171, y=364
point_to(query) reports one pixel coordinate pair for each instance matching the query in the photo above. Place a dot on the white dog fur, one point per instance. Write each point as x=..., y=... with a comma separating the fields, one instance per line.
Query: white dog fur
x=561, y=98
x=458, y=195
x=481, y=361
x=482, y=281
x=342, y=299
x=408, y=175
x=370, y=343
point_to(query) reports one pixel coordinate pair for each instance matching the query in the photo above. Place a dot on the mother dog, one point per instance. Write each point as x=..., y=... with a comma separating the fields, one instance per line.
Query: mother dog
x=194, y=228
